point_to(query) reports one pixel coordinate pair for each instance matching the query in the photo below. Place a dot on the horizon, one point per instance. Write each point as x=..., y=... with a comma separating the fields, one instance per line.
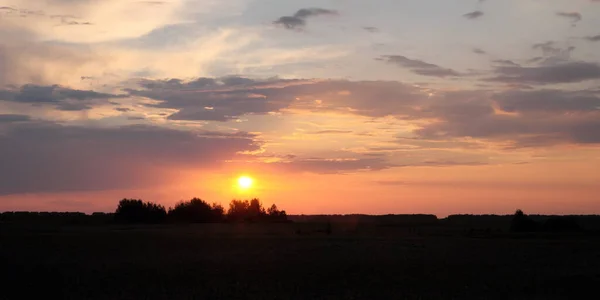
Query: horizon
x=322, y=107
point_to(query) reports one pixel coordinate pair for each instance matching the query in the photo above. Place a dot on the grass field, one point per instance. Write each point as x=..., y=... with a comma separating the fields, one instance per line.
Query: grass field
x=230, y=261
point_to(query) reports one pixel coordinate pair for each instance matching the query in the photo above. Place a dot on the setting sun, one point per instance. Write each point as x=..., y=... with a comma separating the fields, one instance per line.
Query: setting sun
x=245, y=182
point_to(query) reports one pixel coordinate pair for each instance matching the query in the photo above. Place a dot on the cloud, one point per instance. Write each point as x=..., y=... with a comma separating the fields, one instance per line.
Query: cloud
x=553, y=53
x=525, y=118
x=568, y=72
x=595, y=38
x=10, y=118
x=24, y=61
x=290, y=22
x=334, y=166
x=62, y=97
x=479, y=51
x=573, y=16
x=214, y=99
x=506, y=62
x=331, y=132
x=371, y=29
x=473, y=15
x=551, y=49
x=298, y=20
x=47, y=157
x=521, y=117
x=112, y=19
x=547, y=101
x=221, y=99
x=419, y=67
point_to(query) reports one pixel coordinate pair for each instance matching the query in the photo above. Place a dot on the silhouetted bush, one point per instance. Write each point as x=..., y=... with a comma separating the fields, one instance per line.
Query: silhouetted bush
x=276, y=215
x=562, y=224
x=522, y=223
x=196, y=211
x=253, y=211
x=137, y=211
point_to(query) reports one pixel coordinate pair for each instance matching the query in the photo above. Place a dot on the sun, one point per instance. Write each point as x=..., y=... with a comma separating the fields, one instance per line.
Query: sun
x=245, y=182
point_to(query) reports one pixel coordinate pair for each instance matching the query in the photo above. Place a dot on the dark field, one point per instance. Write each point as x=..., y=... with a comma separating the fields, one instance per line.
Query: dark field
x=230, y=261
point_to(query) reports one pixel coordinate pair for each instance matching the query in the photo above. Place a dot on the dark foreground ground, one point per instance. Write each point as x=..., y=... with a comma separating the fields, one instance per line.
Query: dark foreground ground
x=258, y=262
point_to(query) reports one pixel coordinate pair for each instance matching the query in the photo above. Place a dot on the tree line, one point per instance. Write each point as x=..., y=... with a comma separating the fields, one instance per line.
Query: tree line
x=136, y=211
x=197, y=211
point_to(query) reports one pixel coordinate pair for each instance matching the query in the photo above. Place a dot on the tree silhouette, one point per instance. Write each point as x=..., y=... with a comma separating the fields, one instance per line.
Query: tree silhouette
x=276, y=215
x=253, y=211
x=196, y=211
x=238, y=210
x=137, y=211
x=522, y=223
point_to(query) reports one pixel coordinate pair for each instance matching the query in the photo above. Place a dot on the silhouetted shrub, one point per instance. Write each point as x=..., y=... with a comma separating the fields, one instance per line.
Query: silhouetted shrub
x=276, y=215
x=253, y=211
x=522, y=223
x=562, y=224
x=137, y=211
x=196, y=211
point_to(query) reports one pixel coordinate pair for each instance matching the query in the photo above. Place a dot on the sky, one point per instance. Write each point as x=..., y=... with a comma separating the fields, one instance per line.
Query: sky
x=331, y=106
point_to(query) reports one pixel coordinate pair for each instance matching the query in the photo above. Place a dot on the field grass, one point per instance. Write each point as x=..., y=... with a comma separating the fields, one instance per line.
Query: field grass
x=229, y=261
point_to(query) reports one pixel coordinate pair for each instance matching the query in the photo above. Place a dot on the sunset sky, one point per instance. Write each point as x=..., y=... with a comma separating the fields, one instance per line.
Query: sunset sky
x=339, y=106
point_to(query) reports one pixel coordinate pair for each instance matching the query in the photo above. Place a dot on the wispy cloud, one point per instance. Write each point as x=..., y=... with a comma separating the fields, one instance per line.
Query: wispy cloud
x=474, y=15
x=573, y=16
x=419, y=67
x=298, y=20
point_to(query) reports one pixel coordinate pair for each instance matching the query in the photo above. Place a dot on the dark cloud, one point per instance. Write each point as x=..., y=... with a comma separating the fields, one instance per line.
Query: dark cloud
x=535, y=59
x=547, y=101
x=553, y=53
x=47, y=157
x=473, y=15
x=71, y=22
x=595, y=38
x=371, y=29
x=506, y=62
x=568, y=72
x=525, y=117
x=123, y=109
x=311, y=12
x=532, y=118
x=573, y=16
x=479, y=51
x=331, y=132
x=63, y=98
x=547, y=47
x=298, y=20
x=9, y=118
x=214, y=99
x=419, y=67
x=220, y=100
x=290, y=22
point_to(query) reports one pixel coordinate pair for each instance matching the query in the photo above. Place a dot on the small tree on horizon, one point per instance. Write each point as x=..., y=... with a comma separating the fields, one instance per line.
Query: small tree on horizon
x=137, y=211
x=522, y=223
x=196, y=211
x=253, y=211
x=276, y=215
